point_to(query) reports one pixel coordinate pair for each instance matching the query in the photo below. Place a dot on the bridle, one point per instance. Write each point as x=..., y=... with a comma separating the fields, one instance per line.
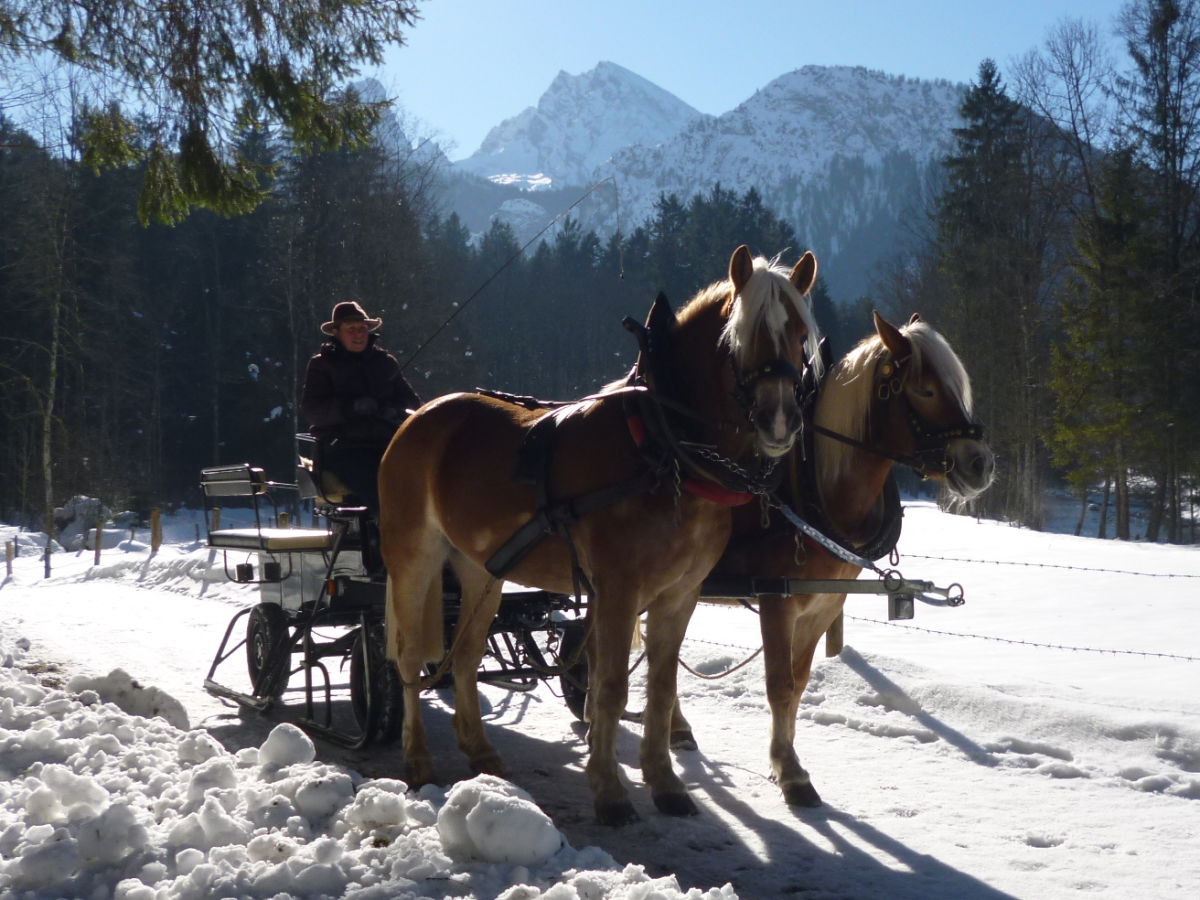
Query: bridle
x=746, y=382
x=930, y=457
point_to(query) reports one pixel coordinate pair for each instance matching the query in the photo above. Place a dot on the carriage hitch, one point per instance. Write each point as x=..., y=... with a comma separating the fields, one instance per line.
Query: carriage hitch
x=902, y=592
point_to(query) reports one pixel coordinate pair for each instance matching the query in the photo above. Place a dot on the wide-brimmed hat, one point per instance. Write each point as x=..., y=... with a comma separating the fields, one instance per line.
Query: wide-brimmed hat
x=349, y=311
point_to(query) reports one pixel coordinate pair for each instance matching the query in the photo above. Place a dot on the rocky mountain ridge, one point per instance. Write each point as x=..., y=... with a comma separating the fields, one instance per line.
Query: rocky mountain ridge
x=843, y=153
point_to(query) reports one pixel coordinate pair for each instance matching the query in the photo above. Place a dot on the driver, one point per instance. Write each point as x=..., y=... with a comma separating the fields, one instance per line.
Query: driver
x=354, y=398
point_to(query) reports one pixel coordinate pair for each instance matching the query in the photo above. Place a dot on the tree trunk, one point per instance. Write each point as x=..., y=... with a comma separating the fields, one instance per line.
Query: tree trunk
x=48, y=423
x=1158, y=507
x=1102, y=530
x=1122, y=492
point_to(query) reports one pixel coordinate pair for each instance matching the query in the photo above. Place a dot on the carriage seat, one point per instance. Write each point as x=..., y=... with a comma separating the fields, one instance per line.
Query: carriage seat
x=246, y=483
x=315, y=482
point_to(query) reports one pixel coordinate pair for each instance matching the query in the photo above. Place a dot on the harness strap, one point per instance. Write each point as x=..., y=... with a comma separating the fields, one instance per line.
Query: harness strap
x=555, y=518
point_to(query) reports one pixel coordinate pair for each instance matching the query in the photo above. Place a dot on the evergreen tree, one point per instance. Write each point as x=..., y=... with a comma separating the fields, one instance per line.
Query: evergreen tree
x=995, y=240
x=1161, y=104
x=199, y=72
x=1101, y=364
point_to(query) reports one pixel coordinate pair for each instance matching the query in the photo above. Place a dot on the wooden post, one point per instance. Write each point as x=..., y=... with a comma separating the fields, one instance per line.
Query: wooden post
x=834, y=637
x=99, y=540
x=283, y=519
x=9, y=552
x=156, y=530
x=216, y=519
x=46, y=555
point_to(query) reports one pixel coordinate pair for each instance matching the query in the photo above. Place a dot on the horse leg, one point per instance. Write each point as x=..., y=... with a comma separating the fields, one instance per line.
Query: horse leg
x=682, y=737
x=780, y=618
x=813, y=616
x=413, y=617
x=615, y=614
x=665, y=626
x=480, y=602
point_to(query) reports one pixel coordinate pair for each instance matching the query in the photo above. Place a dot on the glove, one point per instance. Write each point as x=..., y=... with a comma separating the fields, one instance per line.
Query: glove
x=366, y=406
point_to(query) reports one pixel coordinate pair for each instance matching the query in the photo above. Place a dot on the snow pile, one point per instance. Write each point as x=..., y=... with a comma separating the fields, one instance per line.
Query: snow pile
x=97, y=801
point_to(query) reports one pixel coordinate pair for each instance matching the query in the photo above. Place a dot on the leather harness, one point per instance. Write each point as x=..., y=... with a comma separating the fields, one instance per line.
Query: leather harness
x=692, y=467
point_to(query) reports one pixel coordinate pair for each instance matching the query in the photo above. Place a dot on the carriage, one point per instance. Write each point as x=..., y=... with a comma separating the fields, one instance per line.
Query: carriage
x=316, y=632
x=636, y=499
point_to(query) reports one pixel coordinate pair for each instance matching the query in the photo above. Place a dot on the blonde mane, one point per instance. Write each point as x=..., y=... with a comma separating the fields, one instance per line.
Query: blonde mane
x=764, y=300
x=848, y=394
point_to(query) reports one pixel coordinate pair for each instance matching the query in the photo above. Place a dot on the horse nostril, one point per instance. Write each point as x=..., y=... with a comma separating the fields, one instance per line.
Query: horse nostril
x=980, y=465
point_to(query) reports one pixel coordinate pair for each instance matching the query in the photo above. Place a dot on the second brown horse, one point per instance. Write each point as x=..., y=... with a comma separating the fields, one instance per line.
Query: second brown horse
x=900, y=395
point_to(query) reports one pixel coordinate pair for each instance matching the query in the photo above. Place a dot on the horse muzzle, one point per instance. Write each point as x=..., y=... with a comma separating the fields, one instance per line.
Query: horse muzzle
x=776, y=425
x=970, y=467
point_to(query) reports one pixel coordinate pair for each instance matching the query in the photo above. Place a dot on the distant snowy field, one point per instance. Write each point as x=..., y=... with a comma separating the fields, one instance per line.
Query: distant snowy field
x=1041, y=741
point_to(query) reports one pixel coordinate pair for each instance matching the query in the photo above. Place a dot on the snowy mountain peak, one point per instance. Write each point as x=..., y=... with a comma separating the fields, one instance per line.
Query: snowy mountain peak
x=854, y=111
x=578, y=123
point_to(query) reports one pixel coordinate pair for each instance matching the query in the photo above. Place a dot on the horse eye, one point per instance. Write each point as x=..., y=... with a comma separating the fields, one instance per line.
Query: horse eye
x=922, y=392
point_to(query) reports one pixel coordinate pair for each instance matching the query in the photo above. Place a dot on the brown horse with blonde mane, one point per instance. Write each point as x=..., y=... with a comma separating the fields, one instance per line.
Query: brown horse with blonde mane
x=634, y=502
x=901, y=395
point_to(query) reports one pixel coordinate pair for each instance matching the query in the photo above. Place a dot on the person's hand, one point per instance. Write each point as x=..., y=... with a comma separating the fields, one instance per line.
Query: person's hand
x=366, y=406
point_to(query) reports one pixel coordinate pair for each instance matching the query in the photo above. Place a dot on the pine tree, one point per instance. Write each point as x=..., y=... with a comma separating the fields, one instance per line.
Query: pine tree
x=995, y=241
x=196, y=73
x=1161, y=104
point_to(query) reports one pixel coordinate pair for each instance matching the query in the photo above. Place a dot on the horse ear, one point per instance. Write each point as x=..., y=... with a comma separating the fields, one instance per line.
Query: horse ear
x=914, y=319
x=804, y=273
x=741, y=267
x=662, y=318
x=896, y=343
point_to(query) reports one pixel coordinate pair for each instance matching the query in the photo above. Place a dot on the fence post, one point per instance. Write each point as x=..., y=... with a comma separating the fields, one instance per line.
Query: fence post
x=9, y=552
x=284, y=518
x=155, y=529
x=834, y=637
x=99, y=539
x=216, y=519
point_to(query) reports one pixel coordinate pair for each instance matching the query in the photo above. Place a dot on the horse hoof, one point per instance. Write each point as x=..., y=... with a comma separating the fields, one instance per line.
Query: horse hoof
x=683, y=739
x=489, y=765
x=676, y=805
x=802, y=795
x=418, y=775
x=616, y=814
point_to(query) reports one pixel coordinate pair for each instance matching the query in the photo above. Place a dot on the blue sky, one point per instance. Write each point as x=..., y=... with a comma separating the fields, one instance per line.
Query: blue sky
x=469, y=64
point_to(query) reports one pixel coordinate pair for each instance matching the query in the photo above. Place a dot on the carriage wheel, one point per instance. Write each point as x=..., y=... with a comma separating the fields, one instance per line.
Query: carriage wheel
x=574, y=681
x=378, y=710
x=268, y=650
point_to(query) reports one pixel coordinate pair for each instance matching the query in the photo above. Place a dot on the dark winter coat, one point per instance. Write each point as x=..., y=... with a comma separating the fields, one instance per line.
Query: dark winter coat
x=336, y=378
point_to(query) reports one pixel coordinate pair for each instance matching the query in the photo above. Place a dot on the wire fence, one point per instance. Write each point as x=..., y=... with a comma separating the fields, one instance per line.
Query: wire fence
x=1151, y=654
x=1035, y=565
x=1037, y=644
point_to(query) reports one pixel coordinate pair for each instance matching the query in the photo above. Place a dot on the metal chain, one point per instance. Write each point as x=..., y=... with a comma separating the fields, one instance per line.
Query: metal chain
x=755, y=484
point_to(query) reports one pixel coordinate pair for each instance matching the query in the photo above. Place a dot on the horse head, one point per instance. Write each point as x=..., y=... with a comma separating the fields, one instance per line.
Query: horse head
x=772, y=337
x=939, y=434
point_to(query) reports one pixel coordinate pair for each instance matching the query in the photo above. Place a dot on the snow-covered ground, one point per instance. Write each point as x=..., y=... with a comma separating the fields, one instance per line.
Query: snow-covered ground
x=1042, y=741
